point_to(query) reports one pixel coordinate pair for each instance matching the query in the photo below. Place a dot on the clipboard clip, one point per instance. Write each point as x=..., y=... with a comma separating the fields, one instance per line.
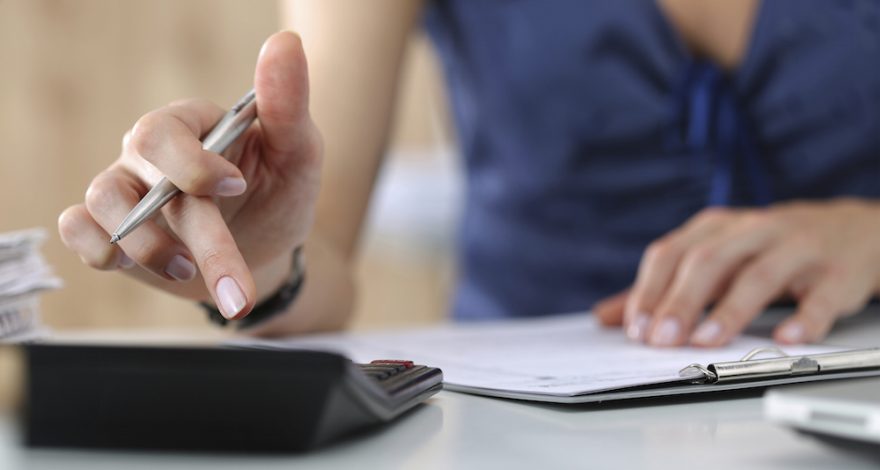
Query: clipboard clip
x=780, y=365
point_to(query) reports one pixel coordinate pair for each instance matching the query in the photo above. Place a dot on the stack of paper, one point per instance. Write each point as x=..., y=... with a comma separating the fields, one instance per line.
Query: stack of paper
x=23, y=275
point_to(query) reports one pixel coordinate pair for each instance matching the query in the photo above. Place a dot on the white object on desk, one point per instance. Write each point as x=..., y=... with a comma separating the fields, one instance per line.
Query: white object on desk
x=847, y=410
x=23, y=274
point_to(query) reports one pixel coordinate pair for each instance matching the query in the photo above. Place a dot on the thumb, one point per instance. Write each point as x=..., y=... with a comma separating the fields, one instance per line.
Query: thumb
x=281, y=82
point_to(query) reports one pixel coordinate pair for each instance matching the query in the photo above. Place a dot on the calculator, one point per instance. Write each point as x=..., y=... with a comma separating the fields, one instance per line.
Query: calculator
x=211, y=398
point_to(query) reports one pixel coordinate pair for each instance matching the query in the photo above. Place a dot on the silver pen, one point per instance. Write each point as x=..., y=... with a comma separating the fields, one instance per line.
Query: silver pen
x=229, y=128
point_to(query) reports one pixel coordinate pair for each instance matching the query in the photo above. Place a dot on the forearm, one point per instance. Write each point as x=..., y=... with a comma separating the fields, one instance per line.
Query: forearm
x=355, y=52
x=325, y=301
x=354, y=56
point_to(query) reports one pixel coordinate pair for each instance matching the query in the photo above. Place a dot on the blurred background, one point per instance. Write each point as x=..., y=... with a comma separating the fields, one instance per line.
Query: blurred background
x=76, y=74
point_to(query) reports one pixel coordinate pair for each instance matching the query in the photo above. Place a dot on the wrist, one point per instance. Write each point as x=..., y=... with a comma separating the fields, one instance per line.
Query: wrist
x=270, y=277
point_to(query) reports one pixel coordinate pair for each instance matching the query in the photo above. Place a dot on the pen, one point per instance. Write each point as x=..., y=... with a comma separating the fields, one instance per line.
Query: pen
x=229, y=128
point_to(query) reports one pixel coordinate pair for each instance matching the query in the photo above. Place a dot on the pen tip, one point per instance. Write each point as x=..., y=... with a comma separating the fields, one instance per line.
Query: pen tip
x=114, y=239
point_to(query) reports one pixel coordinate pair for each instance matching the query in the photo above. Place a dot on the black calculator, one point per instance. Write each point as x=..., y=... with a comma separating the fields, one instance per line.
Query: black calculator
x=212, y=398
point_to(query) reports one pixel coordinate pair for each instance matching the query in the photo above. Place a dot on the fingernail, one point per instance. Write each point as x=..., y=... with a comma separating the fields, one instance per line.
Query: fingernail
x=666, y=332
x=793, y=332
x=707, y=333
x=181, y=268
x=232, y=299
x=638, y=327
x=125, y=262
x=230, y=187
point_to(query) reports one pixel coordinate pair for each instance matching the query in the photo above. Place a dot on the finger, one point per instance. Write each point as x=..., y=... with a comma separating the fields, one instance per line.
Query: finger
x=657, y=268
x=703, y=270
x=82, y=235
x=610, y=311
x=754, y=288
x=109, y=199
x=833, y=296
x=168, y=138
x=200, y=225
x=282, y=87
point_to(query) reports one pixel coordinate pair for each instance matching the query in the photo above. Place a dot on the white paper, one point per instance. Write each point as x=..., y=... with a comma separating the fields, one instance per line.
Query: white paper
x=561, y=355
x=12, y=244
x=23, y=273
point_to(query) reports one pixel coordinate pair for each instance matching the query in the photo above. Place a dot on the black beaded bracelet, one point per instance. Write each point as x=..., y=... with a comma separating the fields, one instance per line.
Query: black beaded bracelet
x=277, y=303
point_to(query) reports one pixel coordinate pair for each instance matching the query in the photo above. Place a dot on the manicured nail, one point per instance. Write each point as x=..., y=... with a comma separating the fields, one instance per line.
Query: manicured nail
x=707, y=333
x=793, y=332
x=181, y=268
x=232, y=299
x=262, y=50
x=125, y=262
x=666, y=332
x=230, y=187
x=638, y=327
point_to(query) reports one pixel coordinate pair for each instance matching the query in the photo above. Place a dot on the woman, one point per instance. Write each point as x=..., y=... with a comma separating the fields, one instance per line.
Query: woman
x=712, y=154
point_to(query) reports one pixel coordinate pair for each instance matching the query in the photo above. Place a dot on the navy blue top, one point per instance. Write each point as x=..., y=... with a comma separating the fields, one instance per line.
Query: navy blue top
x=589, y=130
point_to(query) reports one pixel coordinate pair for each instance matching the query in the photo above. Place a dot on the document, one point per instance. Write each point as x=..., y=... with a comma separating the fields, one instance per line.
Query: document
x=568, y=358
x=23, y=274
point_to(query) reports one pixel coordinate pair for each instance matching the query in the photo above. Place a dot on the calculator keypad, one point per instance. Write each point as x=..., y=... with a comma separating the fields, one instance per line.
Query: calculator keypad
x=393, y=374
x=382, y=369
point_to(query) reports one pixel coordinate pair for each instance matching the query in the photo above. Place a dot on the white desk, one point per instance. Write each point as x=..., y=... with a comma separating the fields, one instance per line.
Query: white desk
x=462, y=431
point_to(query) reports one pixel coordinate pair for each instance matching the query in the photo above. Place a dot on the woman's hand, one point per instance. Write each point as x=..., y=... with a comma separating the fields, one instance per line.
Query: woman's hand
x=235, y=216
x=825, y=256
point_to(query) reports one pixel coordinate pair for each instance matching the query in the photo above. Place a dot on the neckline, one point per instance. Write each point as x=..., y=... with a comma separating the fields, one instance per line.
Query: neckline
x=686, y=56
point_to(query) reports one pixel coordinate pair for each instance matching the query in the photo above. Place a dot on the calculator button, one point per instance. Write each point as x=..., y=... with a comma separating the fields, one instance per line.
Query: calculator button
x=379, y=372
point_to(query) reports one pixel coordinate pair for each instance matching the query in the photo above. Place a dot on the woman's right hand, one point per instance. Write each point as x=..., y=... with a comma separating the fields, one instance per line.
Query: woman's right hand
x=236, y=219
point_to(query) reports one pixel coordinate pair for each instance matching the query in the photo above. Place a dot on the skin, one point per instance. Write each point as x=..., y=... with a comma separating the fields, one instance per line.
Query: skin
x=823, y=255
x=355, y=56
x=279, y=157
x=302, y=189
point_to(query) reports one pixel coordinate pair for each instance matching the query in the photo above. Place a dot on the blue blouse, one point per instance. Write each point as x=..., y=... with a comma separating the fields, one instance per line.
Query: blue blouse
x=589, y=130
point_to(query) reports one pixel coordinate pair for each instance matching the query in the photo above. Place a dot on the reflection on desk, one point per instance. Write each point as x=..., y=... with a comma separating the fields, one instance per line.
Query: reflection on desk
x=461, y=431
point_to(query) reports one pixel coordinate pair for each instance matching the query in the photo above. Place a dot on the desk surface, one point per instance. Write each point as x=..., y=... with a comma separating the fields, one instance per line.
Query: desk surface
x=461, y=431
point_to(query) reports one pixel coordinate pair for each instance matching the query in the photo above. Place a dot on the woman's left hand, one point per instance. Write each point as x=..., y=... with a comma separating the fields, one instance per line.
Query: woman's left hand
x=823, y=255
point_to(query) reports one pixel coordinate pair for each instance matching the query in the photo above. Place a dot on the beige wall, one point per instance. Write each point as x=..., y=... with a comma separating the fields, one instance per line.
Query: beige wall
x=75, y=74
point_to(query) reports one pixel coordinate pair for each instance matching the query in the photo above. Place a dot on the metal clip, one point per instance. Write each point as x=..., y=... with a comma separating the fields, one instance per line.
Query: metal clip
x=768, y=349
x=781, y=365
x=697, y=373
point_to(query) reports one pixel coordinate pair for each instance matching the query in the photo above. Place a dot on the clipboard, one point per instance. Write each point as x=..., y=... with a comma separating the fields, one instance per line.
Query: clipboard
x=570, y=359
x=750, y=372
